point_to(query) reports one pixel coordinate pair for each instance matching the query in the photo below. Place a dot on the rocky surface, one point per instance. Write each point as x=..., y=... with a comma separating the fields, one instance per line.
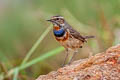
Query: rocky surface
x=102, y=66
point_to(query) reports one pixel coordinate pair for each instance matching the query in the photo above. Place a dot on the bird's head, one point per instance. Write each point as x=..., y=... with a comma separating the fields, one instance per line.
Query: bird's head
x=57, y=21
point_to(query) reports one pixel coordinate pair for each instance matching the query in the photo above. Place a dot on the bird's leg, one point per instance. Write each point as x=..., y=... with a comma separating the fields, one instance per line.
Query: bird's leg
x=72, y=57
x=65, y=57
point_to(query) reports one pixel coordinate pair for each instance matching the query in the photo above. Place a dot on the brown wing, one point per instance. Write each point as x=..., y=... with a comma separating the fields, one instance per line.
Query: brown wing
x=73, y=32
x=76, y=35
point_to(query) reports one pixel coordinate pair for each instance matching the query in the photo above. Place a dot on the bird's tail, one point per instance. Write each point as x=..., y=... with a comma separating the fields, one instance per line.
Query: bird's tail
x=87, y=37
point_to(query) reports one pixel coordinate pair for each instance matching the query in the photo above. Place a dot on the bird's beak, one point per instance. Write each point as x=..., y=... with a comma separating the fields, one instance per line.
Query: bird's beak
x=49, y=20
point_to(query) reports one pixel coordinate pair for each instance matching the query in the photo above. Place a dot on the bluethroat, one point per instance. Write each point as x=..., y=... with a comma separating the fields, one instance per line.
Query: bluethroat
x=68, y=37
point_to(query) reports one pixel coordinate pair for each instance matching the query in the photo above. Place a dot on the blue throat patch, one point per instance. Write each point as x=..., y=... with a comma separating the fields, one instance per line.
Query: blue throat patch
x=59, y=33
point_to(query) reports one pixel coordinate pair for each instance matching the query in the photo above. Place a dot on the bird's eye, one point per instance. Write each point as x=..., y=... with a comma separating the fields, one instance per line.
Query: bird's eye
x=57, y=18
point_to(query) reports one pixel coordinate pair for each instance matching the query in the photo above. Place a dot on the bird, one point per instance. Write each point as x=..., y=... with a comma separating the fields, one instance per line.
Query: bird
x=68, y=37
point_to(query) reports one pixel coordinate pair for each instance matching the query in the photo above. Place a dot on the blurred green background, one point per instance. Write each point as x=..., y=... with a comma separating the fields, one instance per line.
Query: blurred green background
x=22, y=22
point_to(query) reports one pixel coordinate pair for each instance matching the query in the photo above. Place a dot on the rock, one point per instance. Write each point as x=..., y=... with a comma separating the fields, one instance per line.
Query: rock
x=102, y=66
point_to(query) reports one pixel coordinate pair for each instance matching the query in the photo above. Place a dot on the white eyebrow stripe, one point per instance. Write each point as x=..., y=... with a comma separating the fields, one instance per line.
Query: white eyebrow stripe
x=57, y=17
x=60, y=17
